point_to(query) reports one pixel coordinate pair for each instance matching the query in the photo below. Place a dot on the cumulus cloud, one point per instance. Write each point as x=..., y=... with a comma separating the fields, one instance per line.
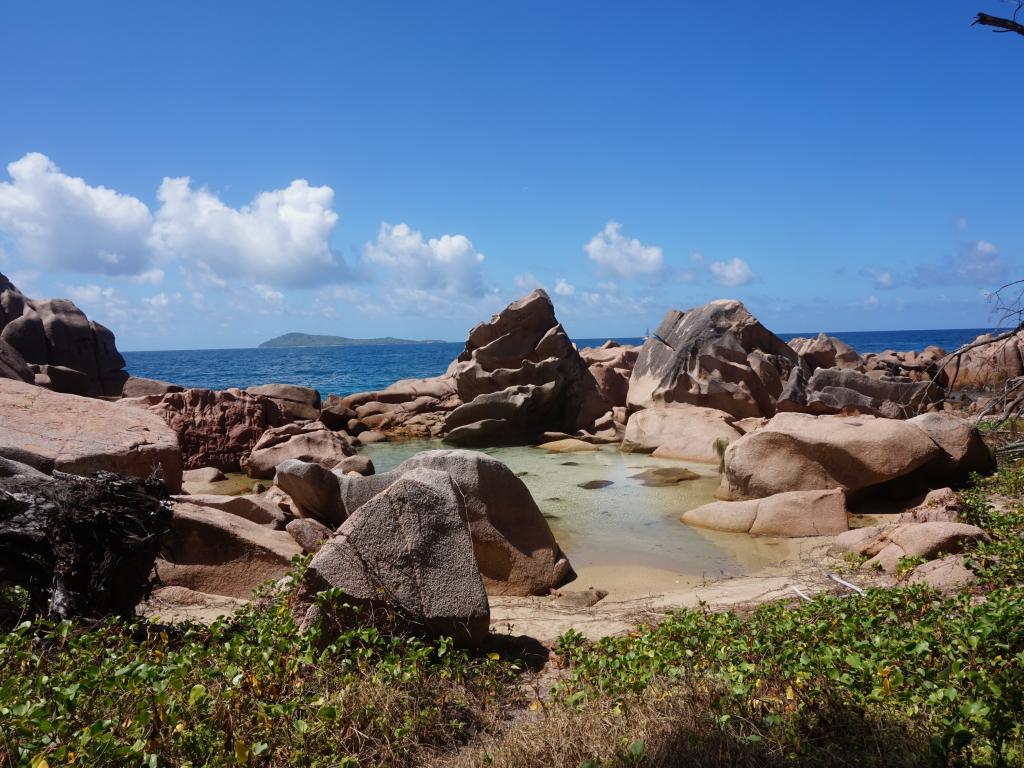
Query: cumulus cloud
x=527, y=281
x=282, y=237
x=880, y=278
x=977, y=263
x=564, y=288
x=614, y=253
x=60, y=221
x=733, y=272
x=449, y=264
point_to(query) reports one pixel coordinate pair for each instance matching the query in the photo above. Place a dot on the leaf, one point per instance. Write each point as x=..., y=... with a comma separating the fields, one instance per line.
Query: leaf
x=39, y=761
x=259, y=747
x=197, y=694
x=241, y=753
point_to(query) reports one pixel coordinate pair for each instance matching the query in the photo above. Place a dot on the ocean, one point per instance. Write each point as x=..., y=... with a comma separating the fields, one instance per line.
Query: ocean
x=343, y=370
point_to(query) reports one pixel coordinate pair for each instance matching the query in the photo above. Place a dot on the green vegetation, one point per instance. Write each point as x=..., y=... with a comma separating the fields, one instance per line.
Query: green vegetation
x=314, y=340
x=899, y=677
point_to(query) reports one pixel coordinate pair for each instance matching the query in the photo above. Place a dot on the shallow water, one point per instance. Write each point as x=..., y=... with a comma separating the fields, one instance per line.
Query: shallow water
x=623, y=524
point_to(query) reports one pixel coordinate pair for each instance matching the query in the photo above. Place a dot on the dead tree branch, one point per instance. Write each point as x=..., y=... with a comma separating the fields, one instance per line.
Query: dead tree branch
x=1003, y=25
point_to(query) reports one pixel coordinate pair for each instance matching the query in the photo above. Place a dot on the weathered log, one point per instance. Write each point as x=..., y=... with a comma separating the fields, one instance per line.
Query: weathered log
x=80, y=546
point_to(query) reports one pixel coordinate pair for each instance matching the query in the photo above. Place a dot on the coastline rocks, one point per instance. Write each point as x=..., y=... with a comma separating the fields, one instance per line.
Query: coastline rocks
x=790, y=514
x=137, y=386
x=13, y=365
x=57, y=333
x=519, y=376
x=965, y=450
x=834, y=390
x=213, y=551
x=312, y=442
x=611, y=366
x=938, y=506
x=214, y=428
x=886, y=545
x=686, y=432
x=255, y=509
x=947, y=574
x=405, y=557
x=294, y=403
x=314, y=490
x=203, y=475
x=308, y=533
x=715, y=356
x=797, y=451
x=989, y=366
x=568, y=445
x=407, y=408
x=824, y=351
x=52, y=431
x=515, y=550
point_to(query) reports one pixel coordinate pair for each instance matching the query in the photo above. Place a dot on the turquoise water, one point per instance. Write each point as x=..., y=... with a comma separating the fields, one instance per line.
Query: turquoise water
x=343, y=370
x=625, y=523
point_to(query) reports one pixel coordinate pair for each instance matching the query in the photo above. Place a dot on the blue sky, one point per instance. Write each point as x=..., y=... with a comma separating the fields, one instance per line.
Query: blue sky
x=212, y=174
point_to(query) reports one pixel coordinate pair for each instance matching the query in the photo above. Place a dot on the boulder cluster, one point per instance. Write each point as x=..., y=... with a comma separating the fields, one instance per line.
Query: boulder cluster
x=53, y=344
x=801, y=432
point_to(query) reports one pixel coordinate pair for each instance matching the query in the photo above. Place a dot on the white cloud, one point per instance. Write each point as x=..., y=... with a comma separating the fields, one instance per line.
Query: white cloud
x=976, y=263
x=449, y=264
x=527, y=281
x=88, y=294
x=157, y=302
x=733, y=272
x=59, y=221
x=614, y=253
x=268, y=295
x=881, y=278
x=281, y=237
x=564, y=288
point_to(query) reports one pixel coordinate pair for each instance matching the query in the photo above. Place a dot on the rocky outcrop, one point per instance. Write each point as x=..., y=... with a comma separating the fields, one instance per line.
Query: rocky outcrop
x=516, y=552
x=836, y=390
x=308, y=533
x=611, y=365
x=519, y=376
x=405, y=558
x=938, y=506
x=54, y=431
x=314, y=491
x=989, y=366
x=886, y=545
x=312, y=442
x=686, y=432
x=254, y=508
x=293, y=403
x=213, y=551
x=964, y=450
x=791, y=514
x=715, y=356
x=214, y=428
x=825, y=351
x=13, y=365
x=801, y=452
x=57, y=333
x=407, y=408
x=137, y=386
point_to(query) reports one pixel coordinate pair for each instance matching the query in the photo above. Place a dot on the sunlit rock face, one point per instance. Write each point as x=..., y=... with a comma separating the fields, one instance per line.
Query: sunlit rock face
x=62, y=348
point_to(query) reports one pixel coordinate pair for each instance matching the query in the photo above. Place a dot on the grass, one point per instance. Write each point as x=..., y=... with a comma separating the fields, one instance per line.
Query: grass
x=899, y=677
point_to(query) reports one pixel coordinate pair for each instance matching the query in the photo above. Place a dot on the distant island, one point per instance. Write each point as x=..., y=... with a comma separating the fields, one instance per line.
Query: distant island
x=315, y=340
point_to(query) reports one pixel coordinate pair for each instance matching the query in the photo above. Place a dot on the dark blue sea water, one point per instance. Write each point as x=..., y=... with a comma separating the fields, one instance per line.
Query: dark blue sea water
x=343, y=370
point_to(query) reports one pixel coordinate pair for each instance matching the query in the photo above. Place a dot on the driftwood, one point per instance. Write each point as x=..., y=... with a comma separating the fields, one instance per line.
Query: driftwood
x=80, y=547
